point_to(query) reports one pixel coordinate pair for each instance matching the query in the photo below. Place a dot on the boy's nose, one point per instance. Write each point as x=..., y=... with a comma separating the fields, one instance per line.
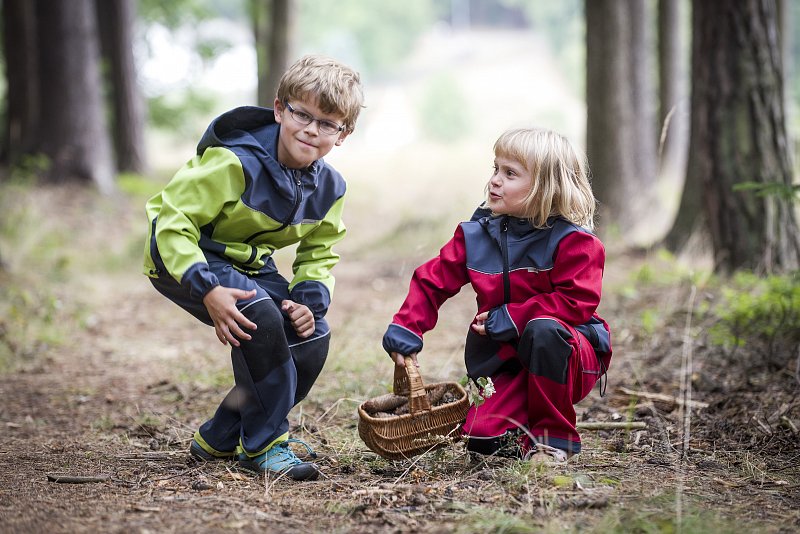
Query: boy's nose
x=313, y=127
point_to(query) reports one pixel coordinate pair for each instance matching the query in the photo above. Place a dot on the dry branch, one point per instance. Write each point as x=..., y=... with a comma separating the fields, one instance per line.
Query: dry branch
x=626, y=425
x=73, y=479
x=663, y=398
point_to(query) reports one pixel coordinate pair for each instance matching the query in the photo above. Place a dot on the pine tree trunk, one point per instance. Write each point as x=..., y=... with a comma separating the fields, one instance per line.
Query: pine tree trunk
x=19, y=46
x=621, y=137
x=72, y=130
x=273, y=26
x=739, y=135
x=117, y=19
x=673, y=62
x=689, y=219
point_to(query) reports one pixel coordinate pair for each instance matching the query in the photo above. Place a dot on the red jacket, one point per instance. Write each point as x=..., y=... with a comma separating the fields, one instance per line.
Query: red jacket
x=519, y=273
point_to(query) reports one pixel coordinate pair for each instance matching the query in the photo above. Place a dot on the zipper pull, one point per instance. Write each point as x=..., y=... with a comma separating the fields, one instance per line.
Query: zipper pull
x=504, y=224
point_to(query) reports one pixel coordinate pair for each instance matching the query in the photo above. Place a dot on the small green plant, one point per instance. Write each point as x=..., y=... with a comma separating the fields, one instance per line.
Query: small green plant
x=29, y=168
x=650, y=321
x=495, y=520
x=762, y=314
x=781, y=190
x=662, y=517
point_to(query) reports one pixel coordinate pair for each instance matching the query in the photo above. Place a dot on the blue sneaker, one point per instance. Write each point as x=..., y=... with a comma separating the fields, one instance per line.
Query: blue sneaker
x=280, y=460
x=198, y=452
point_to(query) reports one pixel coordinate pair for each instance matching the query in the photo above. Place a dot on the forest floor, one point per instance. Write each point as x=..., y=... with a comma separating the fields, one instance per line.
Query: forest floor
x=110, y=381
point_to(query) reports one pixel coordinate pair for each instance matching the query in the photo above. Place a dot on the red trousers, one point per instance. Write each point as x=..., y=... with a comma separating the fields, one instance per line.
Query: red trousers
x=559, y=368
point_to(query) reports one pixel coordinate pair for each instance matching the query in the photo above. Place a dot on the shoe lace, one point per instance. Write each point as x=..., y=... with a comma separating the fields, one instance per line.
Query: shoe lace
x=282, y=457
x=309, y=450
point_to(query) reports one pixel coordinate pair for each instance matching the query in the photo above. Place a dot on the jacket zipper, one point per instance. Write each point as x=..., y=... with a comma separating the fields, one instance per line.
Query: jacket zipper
x=504, y=250
x=298, y=198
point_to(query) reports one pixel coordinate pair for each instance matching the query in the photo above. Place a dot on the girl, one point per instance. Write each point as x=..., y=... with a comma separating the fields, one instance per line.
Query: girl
x=537, y=270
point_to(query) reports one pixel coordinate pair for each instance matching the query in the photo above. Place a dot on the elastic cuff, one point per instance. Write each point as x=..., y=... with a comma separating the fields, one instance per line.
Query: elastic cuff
x=500, y=326
x=280, y=439
x=402, y=340
x=211, y=450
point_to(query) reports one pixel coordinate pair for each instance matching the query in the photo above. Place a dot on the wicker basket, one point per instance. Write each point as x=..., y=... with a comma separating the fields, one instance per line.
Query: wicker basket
x=423, y=427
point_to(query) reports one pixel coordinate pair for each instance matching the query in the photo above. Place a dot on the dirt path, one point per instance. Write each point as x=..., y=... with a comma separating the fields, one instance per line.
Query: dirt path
x=118, y=401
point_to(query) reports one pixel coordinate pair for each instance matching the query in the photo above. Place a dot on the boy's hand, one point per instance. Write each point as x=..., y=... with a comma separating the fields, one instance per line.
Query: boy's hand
x=479, y=326
x=399, y=359
x=228, y=320
x=300, y=316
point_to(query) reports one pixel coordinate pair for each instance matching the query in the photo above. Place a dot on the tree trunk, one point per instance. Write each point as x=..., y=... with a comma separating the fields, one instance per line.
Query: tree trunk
x=689, y=220
x=73, y=136
x=644, y=96
x=739, y=135
x=117, y=19
x=19, y=46
x=273, y=22
x=673, y=60
x=620, y=134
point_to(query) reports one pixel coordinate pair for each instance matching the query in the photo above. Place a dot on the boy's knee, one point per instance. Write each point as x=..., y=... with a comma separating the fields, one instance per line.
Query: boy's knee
x=264, y=313
x=544, y=349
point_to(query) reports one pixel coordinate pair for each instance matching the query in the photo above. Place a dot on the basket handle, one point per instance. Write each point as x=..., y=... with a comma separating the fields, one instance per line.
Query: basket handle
x=408, y=381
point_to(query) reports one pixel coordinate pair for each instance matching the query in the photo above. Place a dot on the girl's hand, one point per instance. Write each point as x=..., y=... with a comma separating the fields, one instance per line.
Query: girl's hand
x=479, y=326
x=300, y=316
x=228, y=320
x=399, y=359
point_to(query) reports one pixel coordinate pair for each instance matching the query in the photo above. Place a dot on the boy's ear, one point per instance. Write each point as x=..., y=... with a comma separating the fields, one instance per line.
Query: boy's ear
x=341, y=138
x=277, y=109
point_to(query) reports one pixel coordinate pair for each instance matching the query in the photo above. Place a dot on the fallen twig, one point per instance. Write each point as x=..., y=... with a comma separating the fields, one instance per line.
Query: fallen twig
x=663, y=398
x=73, y=479
x=626, y=425
x=155, y=455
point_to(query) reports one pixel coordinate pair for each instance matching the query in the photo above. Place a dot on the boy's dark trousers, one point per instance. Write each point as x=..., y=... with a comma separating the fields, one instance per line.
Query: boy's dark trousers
x=273, y=371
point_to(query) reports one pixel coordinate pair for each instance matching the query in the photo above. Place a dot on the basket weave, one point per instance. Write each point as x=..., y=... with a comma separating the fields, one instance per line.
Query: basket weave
x=421, y=429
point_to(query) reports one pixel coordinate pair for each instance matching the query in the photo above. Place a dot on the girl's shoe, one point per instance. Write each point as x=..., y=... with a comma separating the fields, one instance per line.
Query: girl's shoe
x=280, y=460
x=546, y=454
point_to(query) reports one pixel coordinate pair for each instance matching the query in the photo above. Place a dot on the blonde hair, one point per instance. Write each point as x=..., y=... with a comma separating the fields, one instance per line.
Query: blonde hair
x=333, y=86
x=559, y=175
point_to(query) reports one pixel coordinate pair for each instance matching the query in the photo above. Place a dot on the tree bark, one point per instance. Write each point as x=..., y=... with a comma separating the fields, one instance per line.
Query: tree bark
x=739, y=135
x=273, y=22
x=19, y=46
x=689, y=219
x=673, y=62
x=645, y=136
x=74, y=135
x=621, y=137
x=117, y=19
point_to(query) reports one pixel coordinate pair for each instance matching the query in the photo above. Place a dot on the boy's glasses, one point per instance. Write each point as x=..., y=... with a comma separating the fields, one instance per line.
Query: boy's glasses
x=325, y=126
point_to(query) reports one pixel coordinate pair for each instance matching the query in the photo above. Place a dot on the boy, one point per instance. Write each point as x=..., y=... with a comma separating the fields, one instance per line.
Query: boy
x=257, y=184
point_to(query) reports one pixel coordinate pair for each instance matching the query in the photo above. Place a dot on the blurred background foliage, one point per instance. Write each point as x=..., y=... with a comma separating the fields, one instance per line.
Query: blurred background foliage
x=351, y=31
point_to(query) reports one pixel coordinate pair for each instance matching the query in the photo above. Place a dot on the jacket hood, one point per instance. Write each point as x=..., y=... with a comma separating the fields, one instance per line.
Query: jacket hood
x=243, y=126
x=253, y=130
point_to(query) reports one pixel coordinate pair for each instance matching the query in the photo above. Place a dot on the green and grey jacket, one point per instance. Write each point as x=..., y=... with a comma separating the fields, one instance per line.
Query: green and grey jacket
x=234, y=201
